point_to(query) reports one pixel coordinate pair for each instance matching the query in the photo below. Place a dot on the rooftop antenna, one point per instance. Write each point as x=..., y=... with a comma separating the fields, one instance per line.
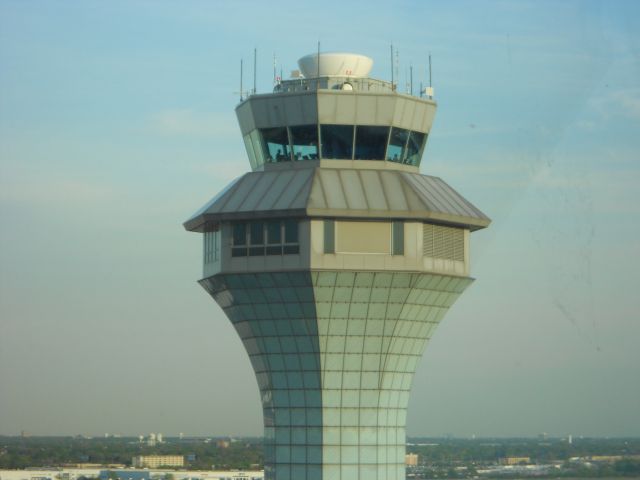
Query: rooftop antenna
x=255, y=61
x=392, y=67
x=430, y=92
x=397, y=65
x=274, y=70
x=241, y=80
x=411, y=77
x=406, y=79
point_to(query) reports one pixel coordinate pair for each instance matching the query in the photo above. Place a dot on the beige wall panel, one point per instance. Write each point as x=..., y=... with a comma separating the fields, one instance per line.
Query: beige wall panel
x=398, y=111
x=259, y=109
x=385, y=107
x=363, y=237
x=276, y=111
x=316, y=236
x=407, y=114
x=374, y=262
x=419, y=112
x=366, y=110
x=353, y=262
x=427, y=121
x=396, y=262
x=345, y=108
x=293, y=110
x=300, y=109
x=413, y=242
x=327, y=108
x=309, y=104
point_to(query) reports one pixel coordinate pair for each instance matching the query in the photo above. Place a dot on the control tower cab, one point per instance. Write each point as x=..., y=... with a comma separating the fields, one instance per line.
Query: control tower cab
x=335, y=112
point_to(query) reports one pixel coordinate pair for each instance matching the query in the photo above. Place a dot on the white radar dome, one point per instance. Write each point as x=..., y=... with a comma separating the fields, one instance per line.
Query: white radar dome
x=335, y=65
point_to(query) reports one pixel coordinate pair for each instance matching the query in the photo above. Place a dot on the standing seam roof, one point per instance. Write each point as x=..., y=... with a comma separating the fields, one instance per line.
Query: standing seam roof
x=334, y=192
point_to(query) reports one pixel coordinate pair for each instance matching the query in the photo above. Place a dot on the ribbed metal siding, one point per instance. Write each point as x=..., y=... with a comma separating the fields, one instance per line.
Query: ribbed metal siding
x=443, y=242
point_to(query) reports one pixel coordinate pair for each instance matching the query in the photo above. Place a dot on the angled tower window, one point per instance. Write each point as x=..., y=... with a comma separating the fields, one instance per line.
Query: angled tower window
x=211, y=246
x=371, y=142
x=256, y=238
x=256, y=143
x=276, y=144
x=239, y=248
x=304, y=139
x=250, y=152
x=337, y=141
x=415, y=146
x=274, y=237
x=396, y=151
x=291, y=244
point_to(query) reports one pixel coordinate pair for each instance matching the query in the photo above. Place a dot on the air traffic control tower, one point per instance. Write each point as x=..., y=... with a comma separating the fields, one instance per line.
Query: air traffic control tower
x=335, y=260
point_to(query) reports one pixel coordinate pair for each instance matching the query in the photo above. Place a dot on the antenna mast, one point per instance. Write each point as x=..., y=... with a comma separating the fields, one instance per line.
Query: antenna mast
x=255, y=60
x=430, y=92
x=241, y=80
x=392, y=67
x=411, y=79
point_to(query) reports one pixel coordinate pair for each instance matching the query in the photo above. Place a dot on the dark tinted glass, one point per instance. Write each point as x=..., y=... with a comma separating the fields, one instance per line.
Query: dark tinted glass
x=397, y=142
x=414, y=147
x=290, y=231
x=274, y=234
x=371, y=142
x=276, y=144
x=337, y=141
x=256, y=233
x=304, y=139
x=240, y=234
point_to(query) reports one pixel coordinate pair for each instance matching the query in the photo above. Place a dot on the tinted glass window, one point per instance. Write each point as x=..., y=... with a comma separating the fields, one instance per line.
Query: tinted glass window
x=290, y=231
x=256, y=233
x=414, y=147
x=397, y=143
x=273, y=232
x=240, y=234
x=276, y=144
x=304, y=139
x=371, y=142
x=337, y=141
x=257, y=147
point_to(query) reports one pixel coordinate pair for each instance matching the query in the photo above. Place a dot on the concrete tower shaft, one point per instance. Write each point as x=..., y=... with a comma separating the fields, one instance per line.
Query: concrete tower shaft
x=335, y=259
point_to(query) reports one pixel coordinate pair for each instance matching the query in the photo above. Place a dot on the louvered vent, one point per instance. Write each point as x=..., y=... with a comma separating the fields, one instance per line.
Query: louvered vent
x=443, y=242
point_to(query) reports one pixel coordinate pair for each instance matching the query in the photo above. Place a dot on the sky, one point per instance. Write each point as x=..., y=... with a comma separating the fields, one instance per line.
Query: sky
x=117, y=123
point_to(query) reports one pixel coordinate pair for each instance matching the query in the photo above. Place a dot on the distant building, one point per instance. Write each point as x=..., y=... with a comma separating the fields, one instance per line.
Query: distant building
x=411, y=459
x=515, y=460
x=606, y=458
x=222, y=444
x=156, y=461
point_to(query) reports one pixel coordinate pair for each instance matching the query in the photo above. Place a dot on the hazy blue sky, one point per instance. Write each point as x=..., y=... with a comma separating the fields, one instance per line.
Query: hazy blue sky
x=117, y=123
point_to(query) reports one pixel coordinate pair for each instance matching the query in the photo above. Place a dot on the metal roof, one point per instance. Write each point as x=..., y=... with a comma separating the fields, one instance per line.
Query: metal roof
x=339, y=193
